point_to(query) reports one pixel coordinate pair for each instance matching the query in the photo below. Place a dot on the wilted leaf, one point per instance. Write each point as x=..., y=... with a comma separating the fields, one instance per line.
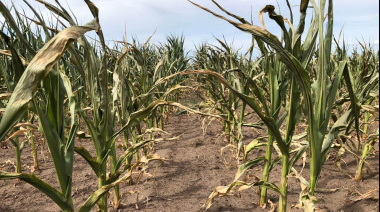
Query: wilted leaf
x=38, y=68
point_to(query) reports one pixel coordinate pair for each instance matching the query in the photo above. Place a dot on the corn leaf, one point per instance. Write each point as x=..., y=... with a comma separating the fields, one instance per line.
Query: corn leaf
x=243, y=168
x=10, y=20
x=38, y=68
x=90, y=160
x=95, y=197
x=52, y=193
x=269, y=121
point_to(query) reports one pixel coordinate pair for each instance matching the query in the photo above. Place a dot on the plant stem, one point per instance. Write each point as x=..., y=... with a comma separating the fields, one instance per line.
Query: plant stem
x=134, y=140
x=242, y=115
x=34, y=150
x=359, y=172
x=233, y=130
x=365, y=153
x=365, y=150
x=102, y=181
x=18, y=159
x=284, y=184
x=227, y=128
x=266, y=171
x=113, y=161
x=367, y=116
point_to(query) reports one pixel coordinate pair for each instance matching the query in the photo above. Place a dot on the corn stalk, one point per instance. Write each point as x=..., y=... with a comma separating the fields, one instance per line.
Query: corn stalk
x=319, y=98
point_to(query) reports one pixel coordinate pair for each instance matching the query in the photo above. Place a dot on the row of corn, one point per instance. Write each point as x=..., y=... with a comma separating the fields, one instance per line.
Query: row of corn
x=53, y=77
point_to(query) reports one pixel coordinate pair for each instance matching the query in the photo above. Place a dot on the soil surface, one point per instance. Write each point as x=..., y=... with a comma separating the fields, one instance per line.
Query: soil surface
x=193, y=168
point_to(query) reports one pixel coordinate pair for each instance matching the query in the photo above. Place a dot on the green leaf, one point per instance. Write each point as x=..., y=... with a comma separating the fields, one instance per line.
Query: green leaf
x=96, y=167
x=38, y=68
x=9, y=20
x=49, y=191
x=57, y=149
x=243, y=168
x=355, y=105
x=255, y=144
x=57, y=11
x=340, y=124
x=95, y=197
x=17, y=63
x=297, y=156
x=269, y=122
x=274, y=163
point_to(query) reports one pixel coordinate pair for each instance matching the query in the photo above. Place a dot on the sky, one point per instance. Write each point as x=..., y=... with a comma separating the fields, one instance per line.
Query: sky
x=141, y=18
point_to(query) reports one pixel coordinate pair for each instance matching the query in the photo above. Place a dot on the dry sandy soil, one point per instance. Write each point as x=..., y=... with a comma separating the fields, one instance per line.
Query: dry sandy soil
x=194, y=167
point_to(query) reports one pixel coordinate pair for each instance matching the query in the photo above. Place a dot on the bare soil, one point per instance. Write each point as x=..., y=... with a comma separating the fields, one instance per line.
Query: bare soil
x=194, y=167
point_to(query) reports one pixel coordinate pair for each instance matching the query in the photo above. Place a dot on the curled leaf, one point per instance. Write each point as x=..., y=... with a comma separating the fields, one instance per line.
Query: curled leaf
x=38, y=68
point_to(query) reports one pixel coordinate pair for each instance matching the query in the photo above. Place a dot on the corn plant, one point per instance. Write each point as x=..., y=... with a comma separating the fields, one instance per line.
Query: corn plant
x=100, y=117
x=49, y=106
x=136, y=85
x=61, y=148
x=220, y=59
x=173, y=59
x=361, y=89
x=138, y=63
x=13, y=69
x=225, y=60
x=241, y=77
x=319, y=94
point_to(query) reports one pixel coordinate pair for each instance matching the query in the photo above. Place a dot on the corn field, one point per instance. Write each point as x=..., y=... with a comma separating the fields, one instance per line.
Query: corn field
x=86, y=125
